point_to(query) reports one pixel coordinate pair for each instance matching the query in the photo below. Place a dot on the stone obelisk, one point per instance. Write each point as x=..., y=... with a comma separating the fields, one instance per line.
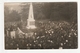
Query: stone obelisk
x=31, y=20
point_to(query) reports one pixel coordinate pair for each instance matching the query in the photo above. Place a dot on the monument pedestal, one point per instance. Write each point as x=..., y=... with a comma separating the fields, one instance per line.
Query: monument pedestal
x=31, y=24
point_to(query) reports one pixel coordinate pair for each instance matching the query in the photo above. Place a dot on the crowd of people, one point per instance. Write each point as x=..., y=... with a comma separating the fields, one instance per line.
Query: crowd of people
x=48, y=35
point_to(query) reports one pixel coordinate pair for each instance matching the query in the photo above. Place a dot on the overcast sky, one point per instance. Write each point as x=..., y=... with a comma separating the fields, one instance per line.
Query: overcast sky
x=16, y=5
x=13, y=5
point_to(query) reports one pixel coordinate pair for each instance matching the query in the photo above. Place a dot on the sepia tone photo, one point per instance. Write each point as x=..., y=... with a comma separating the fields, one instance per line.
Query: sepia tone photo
x=40, y=25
